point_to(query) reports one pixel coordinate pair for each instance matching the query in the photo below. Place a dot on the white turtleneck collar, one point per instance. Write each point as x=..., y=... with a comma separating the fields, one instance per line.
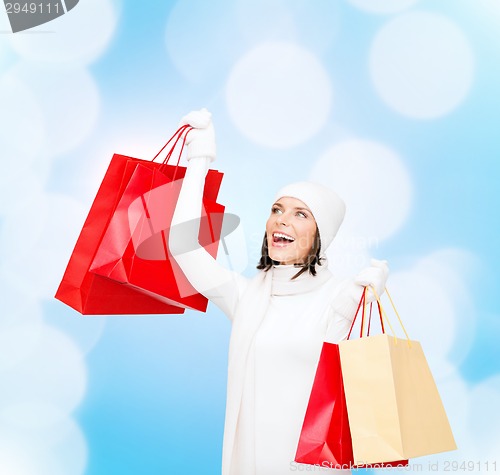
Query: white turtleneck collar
x=282, y=283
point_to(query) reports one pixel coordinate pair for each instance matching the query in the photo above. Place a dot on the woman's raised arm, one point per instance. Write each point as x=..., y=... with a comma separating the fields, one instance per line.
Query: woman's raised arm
x=205, y=274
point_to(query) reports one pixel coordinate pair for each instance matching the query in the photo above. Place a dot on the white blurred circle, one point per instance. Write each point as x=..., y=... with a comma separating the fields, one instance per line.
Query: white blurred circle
x=197, y=56
x=13, y=459
x=49, y=439
x=53, y=373
x=289, y=20
x=85, y=332
x=455, y=397
x=484, y=417
x=453, y=268
x=21, y=230
x=434, y=302
x=20, y=324
x=21, y=190
x=82, y=34
x=4, y=23
x=69, y=100
x=348, y=254
x=279, y=95
x=278, y=22
x=383, y=6
x=22, y=132
x=17, y=343
x=3, y=53
x=373, y=182
x=427, y=313
x=17, y=306
x=36, y=243
x=422, y=65
x=31, y=416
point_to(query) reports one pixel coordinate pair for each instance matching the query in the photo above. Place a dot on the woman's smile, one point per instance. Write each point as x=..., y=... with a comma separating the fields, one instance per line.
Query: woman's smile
x=281, y=239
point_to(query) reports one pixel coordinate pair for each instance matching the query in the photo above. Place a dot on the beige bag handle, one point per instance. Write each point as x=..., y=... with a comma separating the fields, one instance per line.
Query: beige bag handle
x=395, y=311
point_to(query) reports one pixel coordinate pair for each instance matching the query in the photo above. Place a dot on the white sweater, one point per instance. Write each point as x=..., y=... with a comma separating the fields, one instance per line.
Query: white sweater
x=278, y=330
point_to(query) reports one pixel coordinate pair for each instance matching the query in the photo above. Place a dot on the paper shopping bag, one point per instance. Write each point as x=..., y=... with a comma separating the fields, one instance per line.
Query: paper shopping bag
x=394, y=408
x=91, y=294
x=325, y=439
x=134, y=249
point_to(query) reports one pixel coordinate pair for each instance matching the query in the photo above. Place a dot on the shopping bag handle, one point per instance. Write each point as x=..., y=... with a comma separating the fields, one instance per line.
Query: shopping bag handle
x=382, y=314
x=385, y=314
x=362, y=305
x=180, y=133
x=370, y=321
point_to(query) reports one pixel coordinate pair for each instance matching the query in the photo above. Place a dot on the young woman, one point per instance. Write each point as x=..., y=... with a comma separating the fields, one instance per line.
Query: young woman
x=280, y=318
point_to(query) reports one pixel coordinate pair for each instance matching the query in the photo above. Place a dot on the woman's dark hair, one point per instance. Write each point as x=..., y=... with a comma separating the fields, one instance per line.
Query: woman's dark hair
x=312, y=259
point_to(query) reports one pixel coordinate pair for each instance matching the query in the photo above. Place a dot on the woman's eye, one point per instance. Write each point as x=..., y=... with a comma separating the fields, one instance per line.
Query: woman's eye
x=276, y=210
x=301, y=214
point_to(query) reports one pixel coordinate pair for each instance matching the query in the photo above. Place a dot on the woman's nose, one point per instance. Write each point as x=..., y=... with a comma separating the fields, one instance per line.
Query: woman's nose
x=282, y=220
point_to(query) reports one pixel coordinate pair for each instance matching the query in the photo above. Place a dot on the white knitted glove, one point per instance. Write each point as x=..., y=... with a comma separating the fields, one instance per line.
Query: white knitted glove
x=376, y=275
x=200, y=141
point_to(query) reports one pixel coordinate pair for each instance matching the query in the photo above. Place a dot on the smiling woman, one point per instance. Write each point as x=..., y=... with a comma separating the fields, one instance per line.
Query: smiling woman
x=291, y=231
x=280, y=318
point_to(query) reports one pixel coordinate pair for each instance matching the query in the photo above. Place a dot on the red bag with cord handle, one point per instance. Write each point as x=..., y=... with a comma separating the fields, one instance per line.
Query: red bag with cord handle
x=124, y=240
x=325, y=438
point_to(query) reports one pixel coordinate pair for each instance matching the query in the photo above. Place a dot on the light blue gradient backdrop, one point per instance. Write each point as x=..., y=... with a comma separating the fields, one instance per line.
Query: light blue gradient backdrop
x=154, y=386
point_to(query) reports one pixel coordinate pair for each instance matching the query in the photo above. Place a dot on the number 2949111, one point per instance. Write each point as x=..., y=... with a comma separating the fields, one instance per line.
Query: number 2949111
x=34, y=8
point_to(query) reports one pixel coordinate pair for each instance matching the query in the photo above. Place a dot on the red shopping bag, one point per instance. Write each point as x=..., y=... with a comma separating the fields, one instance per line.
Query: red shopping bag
x=134, y=248
x=90, y=293
x=325, y=439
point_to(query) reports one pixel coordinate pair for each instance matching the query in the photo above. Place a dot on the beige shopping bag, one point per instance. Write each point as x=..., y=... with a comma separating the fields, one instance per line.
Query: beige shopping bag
x=394, y=408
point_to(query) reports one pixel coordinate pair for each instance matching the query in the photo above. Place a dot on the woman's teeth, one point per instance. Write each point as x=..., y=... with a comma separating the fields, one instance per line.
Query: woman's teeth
x=280, y=237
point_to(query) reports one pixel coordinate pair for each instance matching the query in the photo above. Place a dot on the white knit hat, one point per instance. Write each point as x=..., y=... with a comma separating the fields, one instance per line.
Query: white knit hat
x=326, y=206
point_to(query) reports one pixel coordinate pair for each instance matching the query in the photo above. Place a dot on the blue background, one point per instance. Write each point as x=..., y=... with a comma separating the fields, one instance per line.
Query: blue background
x=152, y=388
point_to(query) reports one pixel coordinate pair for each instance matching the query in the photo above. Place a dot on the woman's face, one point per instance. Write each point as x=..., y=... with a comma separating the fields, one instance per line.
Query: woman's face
x=290, y=231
